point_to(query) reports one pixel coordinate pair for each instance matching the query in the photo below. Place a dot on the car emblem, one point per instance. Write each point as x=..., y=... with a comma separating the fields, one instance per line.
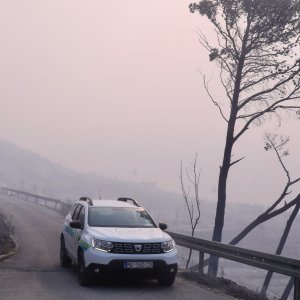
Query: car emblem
x=138, y=248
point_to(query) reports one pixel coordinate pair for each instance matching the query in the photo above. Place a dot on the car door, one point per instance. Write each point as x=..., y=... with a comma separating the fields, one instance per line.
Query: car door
x=68, y=231
x=79, y=215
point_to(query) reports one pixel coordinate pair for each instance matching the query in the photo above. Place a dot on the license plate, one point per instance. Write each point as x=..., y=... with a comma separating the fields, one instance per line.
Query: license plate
x=138, y=265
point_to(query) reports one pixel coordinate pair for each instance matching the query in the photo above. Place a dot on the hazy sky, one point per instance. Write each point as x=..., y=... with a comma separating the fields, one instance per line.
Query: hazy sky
x=113, y=88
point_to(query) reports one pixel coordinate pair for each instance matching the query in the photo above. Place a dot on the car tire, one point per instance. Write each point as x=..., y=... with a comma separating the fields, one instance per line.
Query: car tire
x=65, y=260
x=84, y=276
x=167, y=280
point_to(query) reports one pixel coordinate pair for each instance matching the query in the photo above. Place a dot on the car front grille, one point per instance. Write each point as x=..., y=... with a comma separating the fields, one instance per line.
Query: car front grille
x=137, y=248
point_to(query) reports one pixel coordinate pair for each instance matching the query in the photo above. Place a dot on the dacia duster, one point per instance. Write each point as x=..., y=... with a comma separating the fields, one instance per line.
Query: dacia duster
x=116, y=237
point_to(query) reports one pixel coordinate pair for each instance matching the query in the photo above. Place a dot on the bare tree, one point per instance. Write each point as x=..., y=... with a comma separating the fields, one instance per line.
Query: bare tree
x=276, y=144
x=256, y=52
x=193, y=205
x=273, y=142
x=281, y=204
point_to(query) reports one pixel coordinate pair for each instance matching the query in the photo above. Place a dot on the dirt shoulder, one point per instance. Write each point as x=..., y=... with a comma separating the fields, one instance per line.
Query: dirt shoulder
x=8, y=245
x=221, y=285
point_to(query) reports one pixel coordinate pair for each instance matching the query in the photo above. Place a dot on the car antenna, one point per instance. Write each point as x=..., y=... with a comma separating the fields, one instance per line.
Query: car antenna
x=99, y=190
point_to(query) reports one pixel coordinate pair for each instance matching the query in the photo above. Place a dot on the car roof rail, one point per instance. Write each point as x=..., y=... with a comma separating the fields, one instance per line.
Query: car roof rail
x=125, y=199
x=87, y=199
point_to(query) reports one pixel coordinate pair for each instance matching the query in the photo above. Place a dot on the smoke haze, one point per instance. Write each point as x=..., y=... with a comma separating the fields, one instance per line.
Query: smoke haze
x=113, y=88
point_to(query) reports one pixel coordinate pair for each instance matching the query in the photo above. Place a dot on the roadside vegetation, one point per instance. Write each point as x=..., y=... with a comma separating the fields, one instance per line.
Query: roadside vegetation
x=7, y=243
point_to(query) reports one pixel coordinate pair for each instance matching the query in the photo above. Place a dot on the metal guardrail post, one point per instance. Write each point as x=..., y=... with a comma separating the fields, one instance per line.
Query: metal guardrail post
x=288, y=289
x=296, y=288
x=201, y=261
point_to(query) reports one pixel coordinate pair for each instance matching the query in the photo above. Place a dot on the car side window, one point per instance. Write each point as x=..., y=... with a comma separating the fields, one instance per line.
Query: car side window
x=73, y=210
x=81, y=216
x=76, y=212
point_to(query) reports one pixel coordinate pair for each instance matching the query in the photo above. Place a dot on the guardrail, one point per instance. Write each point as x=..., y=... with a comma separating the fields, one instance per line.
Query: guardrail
x=55, y=204
x=275, y=263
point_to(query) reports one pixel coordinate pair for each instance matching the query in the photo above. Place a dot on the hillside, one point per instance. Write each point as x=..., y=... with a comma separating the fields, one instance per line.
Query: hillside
x=25, y=170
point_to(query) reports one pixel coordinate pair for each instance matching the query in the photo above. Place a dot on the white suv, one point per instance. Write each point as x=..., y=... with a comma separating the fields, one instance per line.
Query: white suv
x=114, y=237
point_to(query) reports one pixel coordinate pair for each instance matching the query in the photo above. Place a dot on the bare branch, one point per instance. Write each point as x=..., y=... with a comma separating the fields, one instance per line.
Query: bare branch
x=263, y=218
x=194, y=214
x=236, y=161
x=212, y=99
x=256, y=115
x=275, y=86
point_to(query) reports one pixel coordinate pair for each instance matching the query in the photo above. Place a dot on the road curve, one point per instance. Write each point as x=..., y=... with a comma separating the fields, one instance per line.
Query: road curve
x=34, y=271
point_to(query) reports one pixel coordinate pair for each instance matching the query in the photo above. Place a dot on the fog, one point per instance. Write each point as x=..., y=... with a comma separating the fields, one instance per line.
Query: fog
x=114, y=88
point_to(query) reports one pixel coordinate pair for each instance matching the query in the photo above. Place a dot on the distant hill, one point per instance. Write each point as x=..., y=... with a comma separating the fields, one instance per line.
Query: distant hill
x=28, y=171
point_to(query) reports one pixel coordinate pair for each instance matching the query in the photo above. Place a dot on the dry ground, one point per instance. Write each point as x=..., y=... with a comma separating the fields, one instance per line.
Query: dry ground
x=222, y=285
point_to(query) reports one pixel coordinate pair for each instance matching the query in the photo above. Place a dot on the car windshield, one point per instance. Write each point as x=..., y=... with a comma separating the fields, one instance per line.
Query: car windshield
x=119, y=217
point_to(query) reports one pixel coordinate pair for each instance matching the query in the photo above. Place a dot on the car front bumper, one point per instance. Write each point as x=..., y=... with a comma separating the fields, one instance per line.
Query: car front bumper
x=112, y=263
x=116, y=269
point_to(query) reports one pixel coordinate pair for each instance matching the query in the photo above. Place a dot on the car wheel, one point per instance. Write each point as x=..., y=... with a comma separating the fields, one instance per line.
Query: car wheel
x=84, y=276
x=167, y=280
x=65, y=260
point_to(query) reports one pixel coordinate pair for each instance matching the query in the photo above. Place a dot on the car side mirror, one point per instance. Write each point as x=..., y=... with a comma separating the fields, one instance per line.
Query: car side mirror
x=76, y=224
x=163, y=226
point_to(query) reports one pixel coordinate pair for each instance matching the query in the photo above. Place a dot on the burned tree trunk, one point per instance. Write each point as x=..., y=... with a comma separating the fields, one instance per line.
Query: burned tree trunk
x=281, y=245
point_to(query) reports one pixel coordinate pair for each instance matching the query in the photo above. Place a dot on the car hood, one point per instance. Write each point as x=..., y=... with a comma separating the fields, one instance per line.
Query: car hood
x=129, y=235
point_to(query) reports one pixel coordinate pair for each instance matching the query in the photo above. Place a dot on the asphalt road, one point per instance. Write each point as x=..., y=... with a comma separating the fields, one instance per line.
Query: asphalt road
x=34, y=271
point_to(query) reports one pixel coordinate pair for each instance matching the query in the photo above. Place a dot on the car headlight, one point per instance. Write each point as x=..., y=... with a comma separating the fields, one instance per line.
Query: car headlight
x=168, y=246
x=100, y=245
